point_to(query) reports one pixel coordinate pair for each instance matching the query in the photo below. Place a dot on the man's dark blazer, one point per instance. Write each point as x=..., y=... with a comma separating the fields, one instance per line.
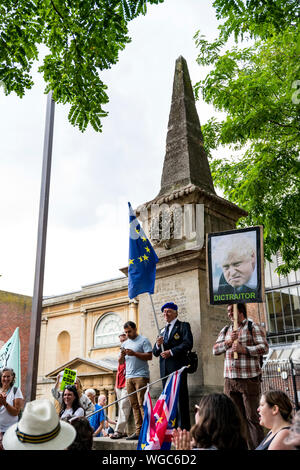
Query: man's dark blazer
x=180, y=341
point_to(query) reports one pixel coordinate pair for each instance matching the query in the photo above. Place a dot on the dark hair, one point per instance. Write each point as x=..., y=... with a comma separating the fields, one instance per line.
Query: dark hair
x=242, y=309
x=76, y=403
x=129, y=324
x=12, y=373
x=219, y=424
x=84, y=434
x=280, y=399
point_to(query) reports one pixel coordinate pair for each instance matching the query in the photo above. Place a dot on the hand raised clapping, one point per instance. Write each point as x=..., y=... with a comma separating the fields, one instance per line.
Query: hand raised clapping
x=181, y=439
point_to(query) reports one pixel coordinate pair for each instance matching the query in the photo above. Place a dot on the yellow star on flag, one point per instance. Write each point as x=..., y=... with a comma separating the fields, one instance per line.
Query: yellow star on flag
x=141, y=258
x=147, y=249
x=159, y=420
x=143, y=446
x=131, y=261
x=145, y=257
x=144, y=239
x=173, y=421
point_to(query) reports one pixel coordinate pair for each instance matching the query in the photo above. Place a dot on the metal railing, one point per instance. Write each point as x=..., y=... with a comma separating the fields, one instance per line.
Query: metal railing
x=282, y=375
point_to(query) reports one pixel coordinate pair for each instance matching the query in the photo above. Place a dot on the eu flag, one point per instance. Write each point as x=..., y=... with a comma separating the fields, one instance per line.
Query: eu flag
x=142, y=259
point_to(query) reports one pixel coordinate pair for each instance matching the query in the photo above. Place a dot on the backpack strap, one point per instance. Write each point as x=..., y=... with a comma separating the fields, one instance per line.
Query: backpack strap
x=226, y=329
x=250, y=326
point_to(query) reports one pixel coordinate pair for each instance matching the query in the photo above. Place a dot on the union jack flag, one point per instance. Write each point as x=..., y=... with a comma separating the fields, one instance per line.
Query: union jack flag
x=158, y=423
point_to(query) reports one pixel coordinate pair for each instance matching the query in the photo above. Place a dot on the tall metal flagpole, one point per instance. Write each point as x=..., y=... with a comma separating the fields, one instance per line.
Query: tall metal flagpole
x=155, y=318
x=36, y=315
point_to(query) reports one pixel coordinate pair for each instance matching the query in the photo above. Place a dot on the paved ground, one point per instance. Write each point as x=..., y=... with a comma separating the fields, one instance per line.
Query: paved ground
x=105, y=443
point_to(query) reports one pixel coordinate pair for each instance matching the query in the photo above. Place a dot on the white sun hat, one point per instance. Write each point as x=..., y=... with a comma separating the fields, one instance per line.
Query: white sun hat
x=39, y=429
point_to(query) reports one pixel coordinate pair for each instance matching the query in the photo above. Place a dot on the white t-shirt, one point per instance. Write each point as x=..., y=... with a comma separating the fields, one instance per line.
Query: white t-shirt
x=136, y=367
x=6, y=419
x=69, y=413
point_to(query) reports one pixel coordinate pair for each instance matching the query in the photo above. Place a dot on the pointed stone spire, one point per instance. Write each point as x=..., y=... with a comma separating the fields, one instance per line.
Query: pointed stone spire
x=185, y=159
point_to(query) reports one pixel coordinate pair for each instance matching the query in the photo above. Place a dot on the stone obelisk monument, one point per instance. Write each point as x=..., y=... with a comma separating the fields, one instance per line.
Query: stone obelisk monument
x=176, y=221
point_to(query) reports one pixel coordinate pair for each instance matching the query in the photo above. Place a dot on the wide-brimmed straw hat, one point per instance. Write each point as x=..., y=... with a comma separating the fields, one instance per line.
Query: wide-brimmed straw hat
x=39, y=429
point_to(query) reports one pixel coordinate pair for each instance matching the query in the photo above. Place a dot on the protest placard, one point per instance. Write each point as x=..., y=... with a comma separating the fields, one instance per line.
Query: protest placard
x=235, y=266
x=68, y=377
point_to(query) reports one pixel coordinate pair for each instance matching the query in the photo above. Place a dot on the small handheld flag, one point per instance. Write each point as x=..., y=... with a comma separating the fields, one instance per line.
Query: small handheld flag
x=142, y=260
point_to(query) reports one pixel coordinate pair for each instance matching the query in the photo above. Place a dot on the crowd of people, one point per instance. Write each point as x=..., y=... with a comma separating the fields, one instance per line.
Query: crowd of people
x=241, y=418
x=218, y=425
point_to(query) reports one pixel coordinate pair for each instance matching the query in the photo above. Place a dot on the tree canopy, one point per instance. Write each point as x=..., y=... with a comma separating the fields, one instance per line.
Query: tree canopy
x=83, y=38
x=258, y=89
x=256, y=18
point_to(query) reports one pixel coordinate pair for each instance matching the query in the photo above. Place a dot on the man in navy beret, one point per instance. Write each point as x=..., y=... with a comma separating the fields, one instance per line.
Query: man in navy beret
x=177, y=339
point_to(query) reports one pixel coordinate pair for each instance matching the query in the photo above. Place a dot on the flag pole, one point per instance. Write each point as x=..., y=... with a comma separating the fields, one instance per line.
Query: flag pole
x=235, y=326
x=37, y=300
x=155, y=318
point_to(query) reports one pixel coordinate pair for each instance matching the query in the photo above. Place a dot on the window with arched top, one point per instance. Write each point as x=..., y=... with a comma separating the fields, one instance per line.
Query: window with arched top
x=63, y=347
x=107, y=330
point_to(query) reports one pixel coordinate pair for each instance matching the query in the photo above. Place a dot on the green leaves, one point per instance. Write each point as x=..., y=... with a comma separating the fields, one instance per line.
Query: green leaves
x=257, y=88
x=83, y=37
x=256, y=18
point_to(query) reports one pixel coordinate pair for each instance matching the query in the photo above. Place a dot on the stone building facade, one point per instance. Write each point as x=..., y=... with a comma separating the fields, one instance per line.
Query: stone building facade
x=80, y=331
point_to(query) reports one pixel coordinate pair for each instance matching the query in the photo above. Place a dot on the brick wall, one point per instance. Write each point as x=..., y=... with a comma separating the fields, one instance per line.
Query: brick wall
x=15, y=311
x=257, y=313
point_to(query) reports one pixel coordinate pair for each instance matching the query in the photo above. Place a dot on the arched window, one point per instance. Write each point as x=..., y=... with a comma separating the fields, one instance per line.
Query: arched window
x=63, y=348
x=107, y=330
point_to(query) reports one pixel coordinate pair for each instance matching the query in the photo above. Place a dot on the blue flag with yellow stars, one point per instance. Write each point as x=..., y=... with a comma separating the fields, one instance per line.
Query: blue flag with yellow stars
x=142, y=259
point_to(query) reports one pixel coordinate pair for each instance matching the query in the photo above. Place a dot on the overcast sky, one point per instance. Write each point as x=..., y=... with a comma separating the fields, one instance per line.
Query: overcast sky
x=94, y=175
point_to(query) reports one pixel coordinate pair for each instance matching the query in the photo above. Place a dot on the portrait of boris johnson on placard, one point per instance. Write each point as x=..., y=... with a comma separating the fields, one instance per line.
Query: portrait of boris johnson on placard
x=235, y=263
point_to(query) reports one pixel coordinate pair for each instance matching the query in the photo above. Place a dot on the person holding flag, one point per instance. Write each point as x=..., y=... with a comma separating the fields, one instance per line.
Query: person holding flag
x=172, y=345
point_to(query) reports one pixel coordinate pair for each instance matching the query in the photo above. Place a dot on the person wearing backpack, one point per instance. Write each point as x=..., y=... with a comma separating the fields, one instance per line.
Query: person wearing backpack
x=243, y=375
x=11, y=401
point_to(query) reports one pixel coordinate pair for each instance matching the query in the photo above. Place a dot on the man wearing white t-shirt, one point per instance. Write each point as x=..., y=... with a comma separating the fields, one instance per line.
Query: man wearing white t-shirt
x=138, y=351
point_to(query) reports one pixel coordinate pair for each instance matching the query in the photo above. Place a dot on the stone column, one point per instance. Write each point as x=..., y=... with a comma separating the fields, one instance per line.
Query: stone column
x=83, y=333
x=111, y=411
x=132, y=311
x=43, y=342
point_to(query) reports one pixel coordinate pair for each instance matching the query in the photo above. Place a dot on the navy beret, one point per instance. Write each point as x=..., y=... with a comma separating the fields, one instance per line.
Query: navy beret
x=169, y=305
